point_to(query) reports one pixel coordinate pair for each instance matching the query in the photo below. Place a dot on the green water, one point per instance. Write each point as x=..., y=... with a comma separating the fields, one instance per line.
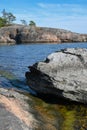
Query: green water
x=61, y=116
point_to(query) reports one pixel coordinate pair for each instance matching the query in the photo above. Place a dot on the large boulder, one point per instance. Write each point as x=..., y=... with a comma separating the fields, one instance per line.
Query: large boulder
x=63, y=73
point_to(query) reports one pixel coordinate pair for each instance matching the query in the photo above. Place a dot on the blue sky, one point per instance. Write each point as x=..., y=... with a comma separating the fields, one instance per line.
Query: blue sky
x=66, y=14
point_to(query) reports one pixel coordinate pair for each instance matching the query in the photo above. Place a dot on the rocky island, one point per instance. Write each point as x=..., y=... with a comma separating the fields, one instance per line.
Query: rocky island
x=16, y=34
x=63, y=74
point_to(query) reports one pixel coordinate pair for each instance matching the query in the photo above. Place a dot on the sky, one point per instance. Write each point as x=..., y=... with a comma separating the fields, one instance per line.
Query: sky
x=64, y=14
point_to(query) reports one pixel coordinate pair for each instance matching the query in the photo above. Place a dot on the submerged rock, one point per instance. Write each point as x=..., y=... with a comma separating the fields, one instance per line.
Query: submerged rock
x=63, y=73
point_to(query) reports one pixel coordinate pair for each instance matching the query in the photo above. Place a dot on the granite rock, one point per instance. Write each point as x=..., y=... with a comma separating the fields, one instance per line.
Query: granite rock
x=63, y=73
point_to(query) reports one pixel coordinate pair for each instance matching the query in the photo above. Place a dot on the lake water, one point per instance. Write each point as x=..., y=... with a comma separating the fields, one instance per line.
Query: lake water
x=14, y=62
x=17, y=58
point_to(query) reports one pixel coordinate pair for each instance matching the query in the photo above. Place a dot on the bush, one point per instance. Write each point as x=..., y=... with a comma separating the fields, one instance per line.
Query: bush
x=2, y=22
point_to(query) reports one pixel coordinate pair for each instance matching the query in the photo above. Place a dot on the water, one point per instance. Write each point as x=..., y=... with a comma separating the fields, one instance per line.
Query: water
x=14, y=62
x=17, y=58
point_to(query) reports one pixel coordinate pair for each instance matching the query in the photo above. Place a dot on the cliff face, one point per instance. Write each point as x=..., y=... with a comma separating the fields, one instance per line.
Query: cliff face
x=26, y=34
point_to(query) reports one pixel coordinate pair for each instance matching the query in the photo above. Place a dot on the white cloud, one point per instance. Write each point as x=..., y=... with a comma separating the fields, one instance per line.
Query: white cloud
x=46, y=5
x=64, y=8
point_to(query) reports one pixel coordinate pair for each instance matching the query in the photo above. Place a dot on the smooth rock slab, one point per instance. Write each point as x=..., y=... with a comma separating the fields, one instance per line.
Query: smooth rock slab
x=8, y=121
x=63, y=73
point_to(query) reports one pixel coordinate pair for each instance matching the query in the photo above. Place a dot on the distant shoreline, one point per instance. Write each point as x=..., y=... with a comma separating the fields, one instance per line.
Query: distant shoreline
x=17, y=34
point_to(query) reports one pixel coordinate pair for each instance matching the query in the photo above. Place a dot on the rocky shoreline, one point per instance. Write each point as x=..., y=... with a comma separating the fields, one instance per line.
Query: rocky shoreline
x=17, y=34
x=22, y=111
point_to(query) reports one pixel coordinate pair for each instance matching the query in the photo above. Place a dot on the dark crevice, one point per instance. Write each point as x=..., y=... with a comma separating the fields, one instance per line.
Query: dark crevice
x=47, y=60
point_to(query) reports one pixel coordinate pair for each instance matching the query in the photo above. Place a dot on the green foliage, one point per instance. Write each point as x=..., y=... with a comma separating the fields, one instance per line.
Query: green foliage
x=2, y=22
x=32, y=23
x=7, y=19
x=4, y=14
x=8, y=16
x=23, y=22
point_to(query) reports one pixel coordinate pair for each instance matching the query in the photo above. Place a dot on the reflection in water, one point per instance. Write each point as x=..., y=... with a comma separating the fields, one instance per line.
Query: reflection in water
x=52, y=113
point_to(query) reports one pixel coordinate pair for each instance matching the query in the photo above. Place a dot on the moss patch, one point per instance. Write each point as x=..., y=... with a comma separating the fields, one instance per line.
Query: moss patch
x=7, y=74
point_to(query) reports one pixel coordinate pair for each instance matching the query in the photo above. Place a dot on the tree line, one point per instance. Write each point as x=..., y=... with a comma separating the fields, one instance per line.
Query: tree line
x=8, y=18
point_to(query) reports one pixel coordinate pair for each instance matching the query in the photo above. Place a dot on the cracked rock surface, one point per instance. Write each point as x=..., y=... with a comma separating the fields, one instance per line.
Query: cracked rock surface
x=63, y=73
